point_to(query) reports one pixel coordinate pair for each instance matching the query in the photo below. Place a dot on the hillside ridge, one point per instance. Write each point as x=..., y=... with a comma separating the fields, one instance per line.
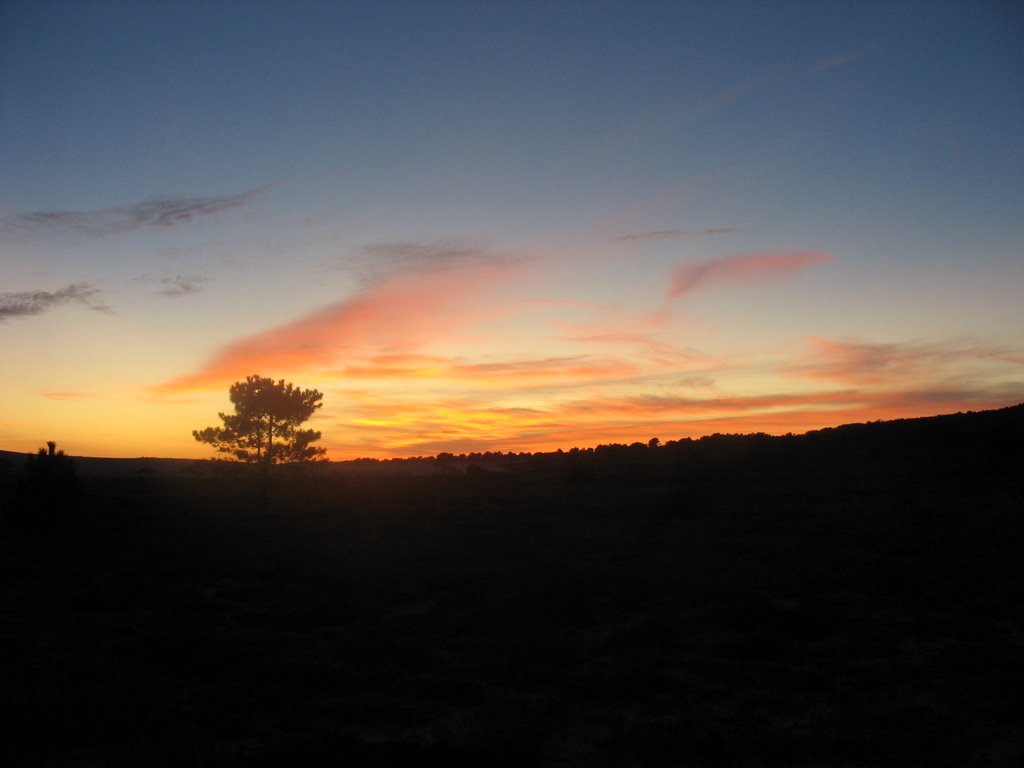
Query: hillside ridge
x=995, y=435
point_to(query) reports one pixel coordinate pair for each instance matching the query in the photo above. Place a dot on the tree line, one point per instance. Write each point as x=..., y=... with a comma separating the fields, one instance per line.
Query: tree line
x=264, y=429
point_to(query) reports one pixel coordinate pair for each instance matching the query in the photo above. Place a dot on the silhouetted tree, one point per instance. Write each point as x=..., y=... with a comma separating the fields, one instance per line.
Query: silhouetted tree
x=264, y=429
x=444, y=461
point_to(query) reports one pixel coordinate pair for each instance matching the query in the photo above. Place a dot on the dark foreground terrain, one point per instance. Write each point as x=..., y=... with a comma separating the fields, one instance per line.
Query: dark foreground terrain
x=807, y=613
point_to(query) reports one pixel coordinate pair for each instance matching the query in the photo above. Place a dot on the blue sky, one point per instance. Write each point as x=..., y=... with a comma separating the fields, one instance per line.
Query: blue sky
x=181, y=181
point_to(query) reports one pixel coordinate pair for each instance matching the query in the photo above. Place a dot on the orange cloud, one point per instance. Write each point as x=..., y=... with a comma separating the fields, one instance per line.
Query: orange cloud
x=385, y=427
x=505, y=373
x=68, y=396
x=760, y=266
x=416, y=364
x=654, y=349
x=897, y=364
x=397, y=316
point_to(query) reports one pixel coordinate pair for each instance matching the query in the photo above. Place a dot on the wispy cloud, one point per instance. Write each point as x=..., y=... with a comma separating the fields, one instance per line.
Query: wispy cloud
x=669, y=234
x=648, y=344
x=513, y=405
x=507, y=371
x=590, y=306
x=173, y=287
x=29, y=303
x=68, y=396
x=182, y=285
x=411, y=404
x=728, y=96
x=401, y=426
x=760, y=266
x=158, y=212
x=377, y=262
x=696, y=382
x=893, y=364
x=840, y=60
x=397, y=316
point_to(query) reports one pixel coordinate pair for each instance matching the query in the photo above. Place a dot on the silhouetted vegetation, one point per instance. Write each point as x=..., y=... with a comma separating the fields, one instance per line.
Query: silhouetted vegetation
x=47, y=488
x=264, y=429
x=850, y=597
x=984, y=443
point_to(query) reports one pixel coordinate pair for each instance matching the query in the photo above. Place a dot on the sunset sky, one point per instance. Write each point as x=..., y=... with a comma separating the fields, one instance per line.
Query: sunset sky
x=523, y=226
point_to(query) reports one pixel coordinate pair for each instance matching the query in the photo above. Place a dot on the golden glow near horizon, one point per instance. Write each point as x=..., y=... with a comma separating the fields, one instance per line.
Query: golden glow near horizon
x=585, y=235
x=407, y=369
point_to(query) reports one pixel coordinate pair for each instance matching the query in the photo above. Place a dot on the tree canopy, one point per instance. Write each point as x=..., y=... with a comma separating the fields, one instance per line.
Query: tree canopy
x=264, y=429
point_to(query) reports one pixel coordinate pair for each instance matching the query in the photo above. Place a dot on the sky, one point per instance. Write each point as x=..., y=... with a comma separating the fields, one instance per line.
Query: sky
x=481, y=226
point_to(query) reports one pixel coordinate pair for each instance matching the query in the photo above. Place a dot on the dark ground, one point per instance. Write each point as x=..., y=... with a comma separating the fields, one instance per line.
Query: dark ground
x=847, y=615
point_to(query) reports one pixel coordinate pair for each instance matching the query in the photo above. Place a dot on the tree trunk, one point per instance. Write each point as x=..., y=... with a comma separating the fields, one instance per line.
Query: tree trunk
x=270, y=438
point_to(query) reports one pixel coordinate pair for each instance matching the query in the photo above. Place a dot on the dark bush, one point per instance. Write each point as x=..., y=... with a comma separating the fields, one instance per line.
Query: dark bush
x=47, y=488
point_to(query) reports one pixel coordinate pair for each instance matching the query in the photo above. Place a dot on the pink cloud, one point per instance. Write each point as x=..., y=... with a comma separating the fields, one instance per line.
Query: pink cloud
x=402, y=427
x=760, y=266
x=397, y=316
x=897, y=364
x=660, y=353
x=505, y=373
x=667, y=234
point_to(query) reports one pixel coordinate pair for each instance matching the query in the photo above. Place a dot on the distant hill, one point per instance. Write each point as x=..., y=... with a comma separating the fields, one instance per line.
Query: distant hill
x=88, y=466
x=996, y=436
x=985, y=441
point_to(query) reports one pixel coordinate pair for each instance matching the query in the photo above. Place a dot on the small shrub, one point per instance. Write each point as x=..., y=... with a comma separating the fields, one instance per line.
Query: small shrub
x=47, y=486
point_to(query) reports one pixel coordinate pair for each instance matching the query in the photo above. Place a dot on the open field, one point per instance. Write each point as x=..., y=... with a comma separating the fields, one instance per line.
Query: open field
x=832, y=614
